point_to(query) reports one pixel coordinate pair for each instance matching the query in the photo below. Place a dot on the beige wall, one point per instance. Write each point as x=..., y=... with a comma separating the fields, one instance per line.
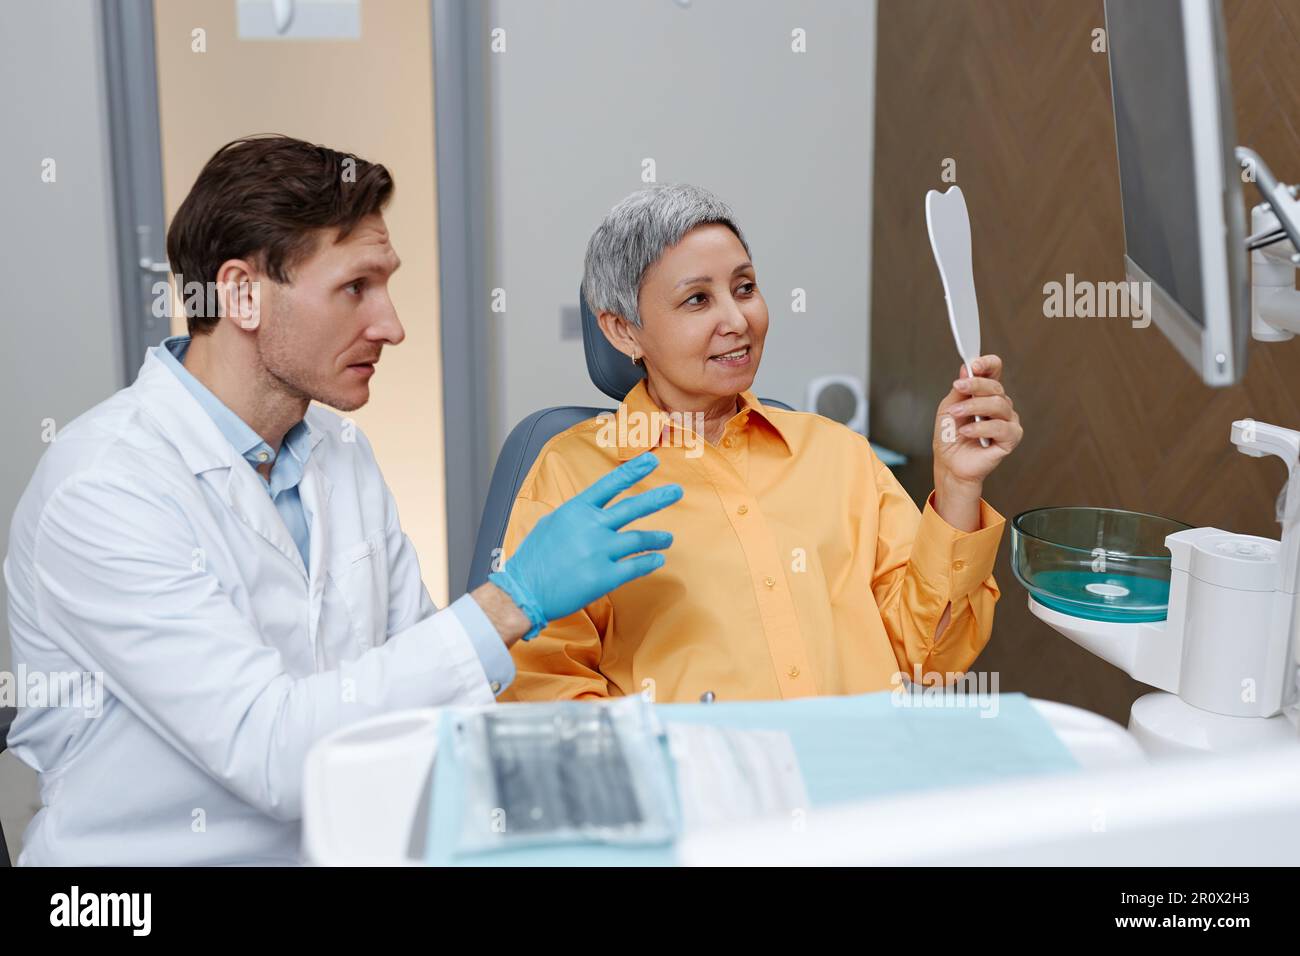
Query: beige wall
x=372, y=97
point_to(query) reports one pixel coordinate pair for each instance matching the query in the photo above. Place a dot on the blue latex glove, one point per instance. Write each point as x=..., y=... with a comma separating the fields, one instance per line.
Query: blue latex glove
x=576, y=553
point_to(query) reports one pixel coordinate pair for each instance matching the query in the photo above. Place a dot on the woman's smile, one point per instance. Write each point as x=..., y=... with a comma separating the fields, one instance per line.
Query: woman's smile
x=736, y=358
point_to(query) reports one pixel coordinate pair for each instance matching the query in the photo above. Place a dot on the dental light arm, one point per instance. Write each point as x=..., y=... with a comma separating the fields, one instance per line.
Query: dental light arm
x=1273, y=244
x=1276, y=195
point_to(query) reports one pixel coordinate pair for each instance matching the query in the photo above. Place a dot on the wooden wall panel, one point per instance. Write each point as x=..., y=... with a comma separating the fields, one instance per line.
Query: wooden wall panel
x=1011, y=90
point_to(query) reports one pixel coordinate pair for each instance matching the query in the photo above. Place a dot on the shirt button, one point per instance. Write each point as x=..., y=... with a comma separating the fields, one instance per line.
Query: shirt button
x=742, y=510
x=958, y=565
x=496, y=687
x=262, y=456
x=793, y=672
x=727, y=442
x=770, y=581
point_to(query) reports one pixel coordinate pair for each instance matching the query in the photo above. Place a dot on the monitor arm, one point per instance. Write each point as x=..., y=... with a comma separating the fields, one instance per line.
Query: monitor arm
x=1273, y=244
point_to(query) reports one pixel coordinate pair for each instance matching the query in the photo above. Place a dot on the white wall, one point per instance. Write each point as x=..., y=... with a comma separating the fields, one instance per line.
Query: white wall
x=58, y=330
x=711, y=90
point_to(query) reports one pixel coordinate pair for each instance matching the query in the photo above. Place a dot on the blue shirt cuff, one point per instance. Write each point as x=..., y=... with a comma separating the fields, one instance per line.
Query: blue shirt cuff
x=497, y=663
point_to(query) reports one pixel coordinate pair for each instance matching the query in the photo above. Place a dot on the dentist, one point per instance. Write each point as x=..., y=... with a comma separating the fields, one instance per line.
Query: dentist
x=227, y=555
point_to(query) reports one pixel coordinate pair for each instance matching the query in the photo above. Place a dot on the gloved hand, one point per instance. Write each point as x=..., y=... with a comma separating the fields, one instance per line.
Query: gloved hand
x=576, y=553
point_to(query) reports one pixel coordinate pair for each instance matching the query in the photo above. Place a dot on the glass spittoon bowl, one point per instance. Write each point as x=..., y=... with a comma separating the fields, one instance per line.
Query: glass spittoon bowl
x=1101, y=564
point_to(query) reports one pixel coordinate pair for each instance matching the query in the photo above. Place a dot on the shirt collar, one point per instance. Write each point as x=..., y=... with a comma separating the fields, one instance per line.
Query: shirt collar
x=638, y=428
x=250, y=445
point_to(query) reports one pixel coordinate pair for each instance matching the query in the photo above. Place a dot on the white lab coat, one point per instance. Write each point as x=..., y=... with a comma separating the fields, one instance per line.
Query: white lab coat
x=147, y=549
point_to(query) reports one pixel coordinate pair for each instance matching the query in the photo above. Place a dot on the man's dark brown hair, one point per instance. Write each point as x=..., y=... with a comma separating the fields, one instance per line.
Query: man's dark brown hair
x=264, y=198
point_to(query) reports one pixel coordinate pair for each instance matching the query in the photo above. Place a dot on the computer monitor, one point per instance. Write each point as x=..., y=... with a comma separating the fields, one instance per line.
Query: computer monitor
x=1184, y=227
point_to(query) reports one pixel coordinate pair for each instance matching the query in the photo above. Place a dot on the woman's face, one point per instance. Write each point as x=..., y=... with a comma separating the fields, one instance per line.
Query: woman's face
x=703, y=320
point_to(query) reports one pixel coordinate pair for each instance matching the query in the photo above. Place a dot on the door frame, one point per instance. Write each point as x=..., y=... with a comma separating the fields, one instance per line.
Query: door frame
x=135, y=147
x=469, y=372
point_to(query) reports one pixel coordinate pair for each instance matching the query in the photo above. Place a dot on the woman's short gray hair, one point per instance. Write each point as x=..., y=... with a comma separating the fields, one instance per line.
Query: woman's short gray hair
x=635, y=234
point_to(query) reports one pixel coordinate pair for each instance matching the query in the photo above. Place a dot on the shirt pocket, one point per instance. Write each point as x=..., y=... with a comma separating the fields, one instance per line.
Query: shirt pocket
x=359, y=576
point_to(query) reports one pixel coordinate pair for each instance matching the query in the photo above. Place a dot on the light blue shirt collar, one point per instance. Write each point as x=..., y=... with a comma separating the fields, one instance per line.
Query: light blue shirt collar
x=287, y=470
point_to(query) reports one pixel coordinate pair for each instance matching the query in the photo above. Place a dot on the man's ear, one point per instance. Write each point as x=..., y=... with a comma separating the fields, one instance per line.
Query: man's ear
x=239, y=290
x=621, y=334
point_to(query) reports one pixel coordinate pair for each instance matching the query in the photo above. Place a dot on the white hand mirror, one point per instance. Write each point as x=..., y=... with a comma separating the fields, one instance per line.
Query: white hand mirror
x=949, y=224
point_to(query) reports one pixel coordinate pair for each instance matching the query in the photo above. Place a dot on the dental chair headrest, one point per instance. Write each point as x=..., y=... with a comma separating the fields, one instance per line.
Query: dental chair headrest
x=611, y=370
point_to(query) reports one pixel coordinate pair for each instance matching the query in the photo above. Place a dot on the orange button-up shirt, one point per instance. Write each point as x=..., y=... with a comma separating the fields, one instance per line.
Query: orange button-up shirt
x=799, y=566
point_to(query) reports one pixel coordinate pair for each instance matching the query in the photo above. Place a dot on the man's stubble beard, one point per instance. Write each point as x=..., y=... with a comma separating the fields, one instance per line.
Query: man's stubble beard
x=277, y=355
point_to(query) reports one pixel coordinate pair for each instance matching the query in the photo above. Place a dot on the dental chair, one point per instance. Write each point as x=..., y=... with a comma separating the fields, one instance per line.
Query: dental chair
x=614, y=374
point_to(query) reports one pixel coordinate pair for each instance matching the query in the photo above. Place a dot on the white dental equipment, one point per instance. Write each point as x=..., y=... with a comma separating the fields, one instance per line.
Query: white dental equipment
x=1223, y=658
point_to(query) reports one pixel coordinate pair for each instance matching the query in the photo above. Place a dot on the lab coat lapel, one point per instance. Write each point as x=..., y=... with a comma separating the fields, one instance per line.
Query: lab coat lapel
x=248, y=499
x=207, y=453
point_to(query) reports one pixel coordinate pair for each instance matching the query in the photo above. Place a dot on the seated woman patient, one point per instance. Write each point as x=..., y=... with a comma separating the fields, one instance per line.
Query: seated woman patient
x=799, y=565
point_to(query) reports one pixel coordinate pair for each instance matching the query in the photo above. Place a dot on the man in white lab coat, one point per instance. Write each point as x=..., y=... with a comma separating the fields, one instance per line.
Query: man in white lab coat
x=224, y=559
